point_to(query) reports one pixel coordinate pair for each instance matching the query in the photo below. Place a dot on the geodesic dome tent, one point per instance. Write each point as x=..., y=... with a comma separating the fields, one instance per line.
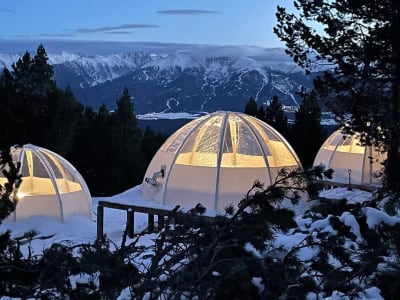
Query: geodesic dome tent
x=50, y=186
x=344, y=154
x=215, y=159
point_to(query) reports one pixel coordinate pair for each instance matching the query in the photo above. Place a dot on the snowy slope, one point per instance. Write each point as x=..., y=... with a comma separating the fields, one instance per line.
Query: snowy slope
x=170, y=77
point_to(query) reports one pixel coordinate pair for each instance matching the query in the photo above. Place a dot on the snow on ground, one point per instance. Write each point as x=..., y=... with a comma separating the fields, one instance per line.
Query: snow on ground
x=78, y=229
x=343, y=193
x=169, y=116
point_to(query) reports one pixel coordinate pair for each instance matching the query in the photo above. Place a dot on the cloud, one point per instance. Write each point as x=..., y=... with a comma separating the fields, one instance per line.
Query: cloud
x=119, y=32
x=110, y=29
x=57, y=35
x=191, y=12
x=6, y=10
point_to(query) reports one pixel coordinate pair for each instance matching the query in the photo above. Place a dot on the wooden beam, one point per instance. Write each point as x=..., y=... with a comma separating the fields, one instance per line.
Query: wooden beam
x=369, y=188
x=130, y=222
x=161, y=222
x=150, y=223
x=130, y=209
x=100, y=221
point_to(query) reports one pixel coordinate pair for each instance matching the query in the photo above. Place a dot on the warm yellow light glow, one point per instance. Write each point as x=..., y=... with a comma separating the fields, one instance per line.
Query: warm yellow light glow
x=21, y=195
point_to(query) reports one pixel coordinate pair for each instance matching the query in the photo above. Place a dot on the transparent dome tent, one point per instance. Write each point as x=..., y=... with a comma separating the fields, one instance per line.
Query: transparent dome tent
x=215, y=159
x=347, y=157
x=50, y=186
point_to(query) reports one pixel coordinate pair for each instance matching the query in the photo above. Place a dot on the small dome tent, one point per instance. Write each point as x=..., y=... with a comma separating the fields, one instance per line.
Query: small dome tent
x=344, y=154
x=215, y=159
x=50, y=186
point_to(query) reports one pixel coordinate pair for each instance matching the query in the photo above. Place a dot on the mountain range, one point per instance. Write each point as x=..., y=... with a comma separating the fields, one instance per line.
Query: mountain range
x=169, y=77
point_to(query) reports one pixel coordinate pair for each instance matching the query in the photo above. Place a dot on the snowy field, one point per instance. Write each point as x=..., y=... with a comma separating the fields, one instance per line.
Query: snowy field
x=78, y=229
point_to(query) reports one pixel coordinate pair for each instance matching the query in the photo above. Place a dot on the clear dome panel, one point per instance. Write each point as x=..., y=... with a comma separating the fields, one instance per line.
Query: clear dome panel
x=173, y=143
x=59, y=169
x=201, y=148
x=33, y=166
x=278, y=152
x=240, y=145
x=24, y=167
x=65, y=180
x=333, y=140
x=350, y=144
x=36, y=179
x=55, y=165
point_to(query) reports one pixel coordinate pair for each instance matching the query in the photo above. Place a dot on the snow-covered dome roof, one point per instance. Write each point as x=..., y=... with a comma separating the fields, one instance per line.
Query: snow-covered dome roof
x=344, y=154
x=50, y=186
x=215, y=159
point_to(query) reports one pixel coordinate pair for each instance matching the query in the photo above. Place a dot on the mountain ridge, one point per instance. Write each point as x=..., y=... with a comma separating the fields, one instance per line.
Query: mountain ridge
x=173, y=77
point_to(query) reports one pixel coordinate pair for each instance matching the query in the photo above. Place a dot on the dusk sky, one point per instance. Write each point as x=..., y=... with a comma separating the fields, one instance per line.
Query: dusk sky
x=220, y=22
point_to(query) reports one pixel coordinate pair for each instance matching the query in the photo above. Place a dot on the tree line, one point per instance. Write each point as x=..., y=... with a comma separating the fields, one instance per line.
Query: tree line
x=107, y=147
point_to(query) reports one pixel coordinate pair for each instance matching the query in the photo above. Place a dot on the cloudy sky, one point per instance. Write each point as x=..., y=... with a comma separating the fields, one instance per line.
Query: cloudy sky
x=221, y=22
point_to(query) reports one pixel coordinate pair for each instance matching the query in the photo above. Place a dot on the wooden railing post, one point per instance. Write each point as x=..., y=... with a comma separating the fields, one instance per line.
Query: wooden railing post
x=100, y=221
x=161, y=222
x=151, y=222
x=130, y=222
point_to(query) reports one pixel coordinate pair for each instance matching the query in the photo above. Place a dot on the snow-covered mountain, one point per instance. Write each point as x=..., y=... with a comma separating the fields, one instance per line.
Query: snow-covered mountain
x=170, y=77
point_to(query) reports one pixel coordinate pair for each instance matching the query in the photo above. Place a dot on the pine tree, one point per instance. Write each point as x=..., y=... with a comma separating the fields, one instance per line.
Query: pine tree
x=261, y=113
x=42, y=73
x=8, y=113
x=64, y=112
x=32, y=105
x=251, y=107
x=6, y=81
x=360, y=43
x=307, y=134
x=151, y=142
x=9, y=189
x=129, y=156
x=275, y=116
x=125, y=110
x=108, y=148
x=21, y=72
x=33, y=76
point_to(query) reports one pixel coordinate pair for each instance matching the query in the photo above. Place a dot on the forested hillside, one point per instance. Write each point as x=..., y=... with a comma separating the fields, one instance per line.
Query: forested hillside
x=107, y=147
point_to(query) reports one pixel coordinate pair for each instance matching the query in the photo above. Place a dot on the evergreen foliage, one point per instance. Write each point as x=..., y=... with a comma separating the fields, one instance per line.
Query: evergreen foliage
x=33, y=76
x=8, y=190
x=275, y=116
x=107, y=148
x=307, y=134
x=128, y=159
x=251, y=107
x=151, y=143
x=360, y=43
x=33, y=110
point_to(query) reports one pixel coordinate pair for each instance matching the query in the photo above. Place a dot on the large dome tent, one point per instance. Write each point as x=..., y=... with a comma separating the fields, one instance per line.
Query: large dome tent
x=350, y=160
x=215, y=159
x=50, y=186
